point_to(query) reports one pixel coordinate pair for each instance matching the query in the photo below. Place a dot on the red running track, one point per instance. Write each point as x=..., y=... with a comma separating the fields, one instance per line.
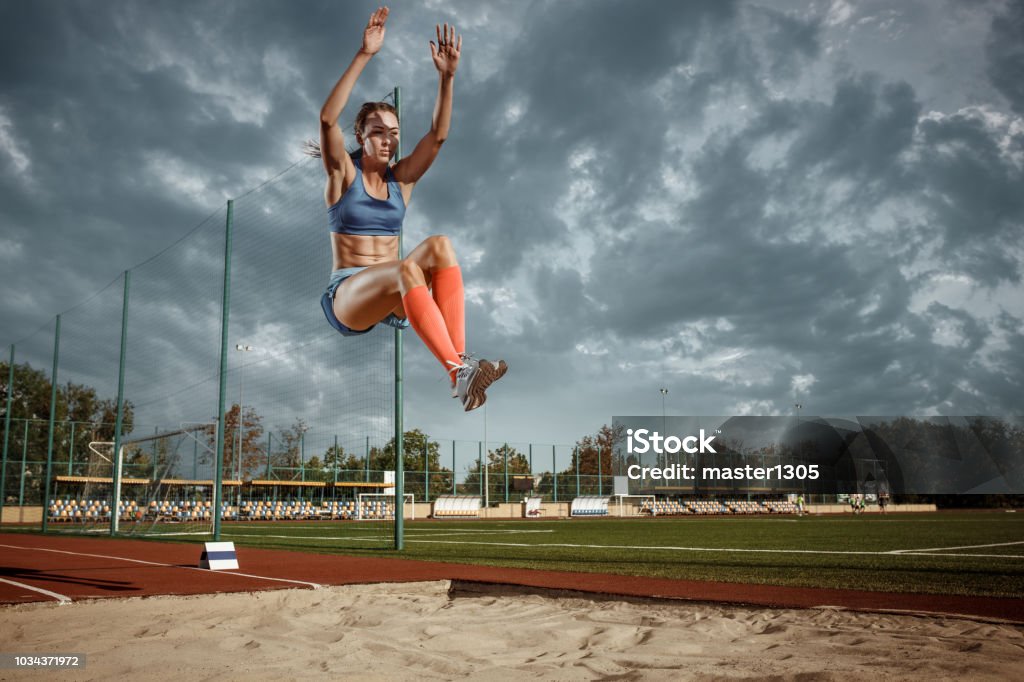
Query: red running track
x=78, y=568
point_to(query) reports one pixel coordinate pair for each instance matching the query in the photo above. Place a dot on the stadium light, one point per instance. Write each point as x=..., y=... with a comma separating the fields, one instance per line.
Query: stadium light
x=664, y=392
x=486, y=465
x=244, y=348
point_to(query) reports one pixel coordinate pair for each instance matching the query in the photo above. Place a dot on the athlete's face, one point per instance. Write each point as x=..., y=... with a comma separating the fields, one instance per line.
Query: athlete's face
x=380, y=135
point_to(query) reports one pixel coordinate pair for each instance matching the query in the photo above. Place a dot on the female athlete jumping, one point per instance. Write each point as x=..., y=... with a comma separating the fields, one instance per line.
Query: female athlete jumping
x=367, y=196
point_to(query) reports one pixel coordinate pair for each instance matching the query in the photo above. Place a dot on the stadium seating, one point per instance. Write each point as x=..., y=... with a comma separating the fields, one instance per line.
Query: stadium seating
x=589, y=506
x=456, y=506
x=79, y=510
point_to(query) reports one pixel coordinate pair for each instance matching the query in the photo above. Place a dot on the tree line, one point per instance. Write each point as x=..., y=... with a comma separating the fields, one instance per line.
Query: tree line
x=82, y=416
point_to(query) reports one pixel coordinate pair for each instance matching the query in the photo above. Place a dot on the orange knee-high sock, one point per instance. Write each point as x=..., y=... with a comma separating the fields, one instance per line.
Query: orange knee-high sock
x=451, y=301
x=426, y=319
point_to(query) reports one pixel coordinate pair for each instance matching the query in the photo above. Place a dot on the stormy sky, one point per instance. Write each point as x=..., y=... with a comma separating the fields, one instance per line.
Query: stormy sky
x=751, y=204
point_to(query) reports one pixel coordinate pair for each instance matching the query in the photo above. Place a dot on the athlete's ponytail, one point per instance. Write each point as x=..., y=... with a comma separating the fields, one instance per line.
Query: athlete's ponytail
x=312, y=147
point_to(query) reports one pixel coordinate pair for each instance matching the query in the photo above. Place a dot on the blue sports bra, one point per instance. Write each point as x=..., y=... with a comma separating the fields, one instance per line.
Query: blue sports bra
x=356, y=212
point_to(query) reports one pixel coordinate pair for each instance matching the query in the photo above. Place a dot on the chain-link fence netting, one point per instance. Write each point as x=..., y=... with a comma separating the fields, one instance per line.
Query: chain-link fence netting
x=27, y=438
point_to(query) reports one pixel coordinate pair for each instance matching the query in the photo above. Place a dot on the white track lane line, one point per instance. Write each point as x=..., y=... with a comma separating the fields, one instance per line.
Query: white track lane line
x=947, y=549
x=61, y=598
x=895, y=552
x=958, y=554
x=315, y=586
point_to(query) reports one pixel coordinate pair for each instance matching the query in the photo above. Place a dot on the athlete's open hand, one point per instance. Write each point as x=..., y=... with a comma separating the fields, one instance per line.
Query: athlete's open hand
x=446, y=52
x=373, y=34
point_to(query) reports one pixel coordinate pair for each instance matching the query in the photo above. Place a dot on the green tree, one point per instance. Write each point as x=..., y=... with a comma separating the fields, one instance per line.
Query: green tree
x=80, y=417
x=518, y=463
x=288, y=455
x=420, y=456
x=596, y=453
x=343, y=466
x=251, y=455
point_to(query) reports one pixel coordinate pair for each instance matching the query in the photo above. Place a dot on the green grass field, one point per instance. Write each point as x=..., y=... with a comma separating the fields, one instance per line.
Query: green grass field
x=978, y=553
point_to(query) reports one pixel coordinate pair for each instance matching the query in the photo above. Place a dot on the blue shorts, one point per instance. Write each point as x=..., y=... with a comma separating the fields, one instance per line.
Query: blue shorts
x=327, y=303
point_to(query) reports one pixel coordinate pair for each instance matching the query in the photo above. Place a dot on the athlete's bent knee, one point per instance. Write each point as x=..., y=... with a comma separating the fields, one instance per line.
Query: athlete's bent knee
x=441, y=249
x=410, y=273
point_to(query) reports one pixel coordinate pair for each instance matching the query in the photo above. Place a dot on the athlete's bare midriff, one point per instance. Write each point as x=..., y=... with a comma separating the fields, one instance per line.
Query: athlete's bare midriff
x=358, y=250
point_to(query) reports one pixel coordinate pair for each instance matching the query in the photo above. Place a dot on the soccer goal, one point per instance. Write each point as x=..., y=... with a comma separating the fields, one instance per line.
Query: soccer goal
x=165, y=487
x=381, y=506
x=637, y=505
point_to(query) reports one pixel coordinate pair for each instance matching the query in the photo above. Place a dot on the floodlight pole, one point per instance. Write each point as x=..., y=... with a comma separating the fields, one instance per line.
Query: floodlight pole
x=244, y=348
x=119, y=419
x=664, y=428
x=399, y=432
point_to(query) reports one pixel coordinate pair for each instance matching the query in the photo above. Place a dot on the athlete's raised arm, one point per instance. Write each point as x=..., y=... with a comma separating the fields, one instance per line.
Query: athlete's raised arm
x=332, y=143
x=446, y=60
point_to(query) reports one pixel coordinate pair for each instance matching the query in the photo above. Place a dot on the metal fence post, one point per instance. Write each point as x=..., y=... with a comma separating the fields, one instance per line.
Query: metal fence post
x=554, y=474
x=7, y=433
x=218, y=488
x=49, y=438
x=576, y=457
x=119, y=419
x=399, y=418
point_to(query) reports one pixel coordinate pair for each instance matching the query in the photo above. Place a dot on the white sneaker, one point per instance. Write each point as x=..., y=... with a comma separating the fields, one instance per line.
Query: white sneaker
x=467, y=359
x=471, y=381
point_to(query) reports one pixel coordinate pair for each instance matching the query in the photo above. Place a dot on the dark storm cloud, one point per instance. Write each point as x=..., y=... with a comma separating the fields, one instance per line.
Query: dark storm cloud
x=837, y=307
x=89, y=115
x=974, y=197
x=862, y=133
x=789, y=41
x=727, y=255
x=141, y=120
x=583, y=79
x=1005, y=52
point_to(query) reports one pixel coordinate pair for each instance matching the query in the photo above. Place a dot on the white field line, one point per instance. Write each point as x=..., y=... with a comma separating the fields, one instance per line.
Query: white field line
x=959, y=554
x=61, y=598
x=333, y=538
x=408, y=534
x=106, y=531
x=669, y=548
x=948, y=549
x=483, y=531
x=314, y=586
x=412, y=537
x=442, y=531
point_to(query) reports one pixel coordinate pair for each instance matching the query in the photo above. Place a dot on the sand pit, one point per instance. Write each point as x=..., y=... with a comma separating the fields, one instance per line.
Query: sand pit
x=434, y=631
